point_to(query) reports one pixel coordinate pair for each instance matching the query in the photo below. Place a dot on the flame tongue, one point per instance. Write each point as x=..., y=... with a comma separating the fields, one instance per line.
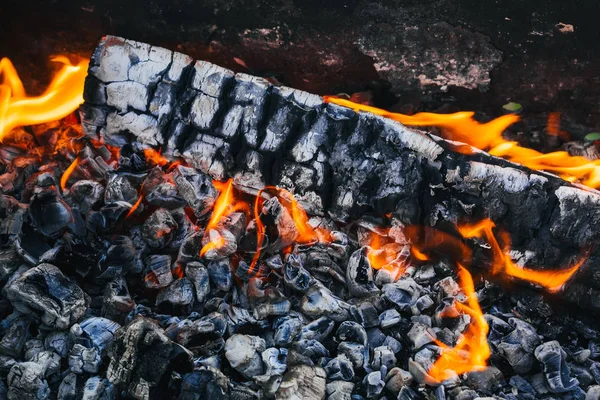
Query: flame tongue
x=62, y=97
x=463, y=127
x=472, y=350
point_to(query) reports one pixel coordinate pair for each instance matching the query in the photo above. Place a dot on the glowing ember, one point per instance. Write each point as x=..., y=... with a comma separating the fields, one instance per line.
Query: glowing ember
x=137, y=203
x=62, y=97
x=225, y=204
x=155, y=157
x=463, y=128
x=471, y=351
x=65, y=177
x=552, y=280
x=306, y=234
x=386, y=254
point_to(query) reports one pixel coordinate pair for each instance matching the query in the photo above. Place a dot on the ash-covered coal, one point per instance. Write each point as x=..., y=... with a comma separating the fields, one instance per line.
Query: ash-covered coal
x=135, y=279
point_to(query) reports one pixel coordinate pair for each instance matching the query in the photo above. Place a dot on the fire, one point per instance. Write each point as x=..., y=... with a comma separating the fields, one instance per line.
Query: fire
x=306, y=234
x=463, y=127
x=225, y=204
x=62, y=97
x=67, y=173
x=384, y=254
x=472, y=350
x=137, y=203
x=552, y=280
x=155, y=157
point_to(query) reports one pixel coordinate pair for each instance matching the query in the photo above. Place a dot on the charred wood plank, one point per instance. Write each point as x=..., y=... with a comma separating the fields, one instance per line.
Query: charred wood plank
x=334, y=160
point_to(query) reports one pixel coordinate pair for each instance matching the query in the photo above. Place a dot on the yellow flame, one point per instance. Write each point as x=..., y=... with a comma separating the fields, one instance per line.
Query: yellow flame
x=462, y=127
x=61, y=98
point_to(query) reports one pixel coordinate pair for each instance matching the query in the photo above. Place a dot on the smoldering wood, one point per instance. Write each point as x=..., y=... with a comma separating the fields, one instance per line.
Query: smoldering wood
x=334, y=160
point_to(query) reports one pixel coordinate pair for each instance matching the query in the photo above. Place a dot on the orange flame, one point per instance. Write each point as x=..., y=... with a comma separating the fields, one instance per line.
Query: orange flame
x=463, y=128
x=306, y=234
x=215, y=243
x=67, y=173
x=137, y=203
x=385, y=254
x=260, y=232
x=155, y=157
x=472, y=350
x=225, y=204
x=552, y=280
x=61, y=98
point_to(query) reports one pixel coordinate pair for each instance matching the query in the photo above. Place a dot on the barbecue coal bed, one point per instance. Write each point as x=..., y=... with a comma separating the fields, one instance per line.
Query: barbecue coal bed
x=199, y=232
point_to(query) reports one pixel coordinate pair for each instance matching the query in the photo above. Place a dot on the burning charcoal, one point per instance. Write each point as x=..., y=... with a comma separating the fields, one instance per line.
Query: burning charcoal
x=389, y=318
x=303, y=382
x=311, y=348
x=295, y=275
x=449, y=286
x=422, y=304
x=158, y=271
x=117, y=302
x=190, y=248
x=26, y=381
x=420, y=375
x=403, y=293
x=177, y=297
x=366, y=314
x=184, y=227
x=87, y=194
x=68, y=387
x=165, y=195
x=82, y=359
x=518, y=346
x=32, y=347
x=98, y=388
x=350, y=331
x=58, y=342
x=357, y=353
x=119, y=188
x=118, y=259
x=396, y=379
x=212, y=325
x=374, y=383
x=220, y=244
x=50, y=214
x=319, y=301
x=285, y=228
x=220, y=274
x=420, y=335
x=159, y=228
x=359, y=274
x=241, y=319
x=556, y=371
x=275, y=361
x=281, y=307
x=204, y=383
x=44, y=292
x=318, y=329
x=140, y=340
x=383, y=356
x=339, y=390
x=198, y=274
x=287, y=328
x=100, y=331
x=15, y=337
x=339, y=368
x=244, y=354
x=593, y=393
x=486, y=380
x=235, y=223
x=196, y=189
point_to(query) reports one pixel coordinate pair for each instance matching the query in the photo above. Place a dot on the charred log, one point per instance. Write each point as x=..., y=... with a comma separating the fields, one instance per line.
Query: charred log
x=334, y=160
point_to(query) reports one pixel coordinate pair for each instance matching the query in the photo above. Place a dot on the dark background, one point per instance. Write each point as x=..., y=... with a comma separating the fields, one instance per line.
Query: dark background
x=333, y=46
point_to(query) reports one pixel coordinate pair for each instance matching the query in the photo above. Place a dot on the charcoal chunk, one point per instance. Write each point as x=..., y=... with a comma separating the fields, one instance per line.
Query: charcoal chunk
x=47, y=294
